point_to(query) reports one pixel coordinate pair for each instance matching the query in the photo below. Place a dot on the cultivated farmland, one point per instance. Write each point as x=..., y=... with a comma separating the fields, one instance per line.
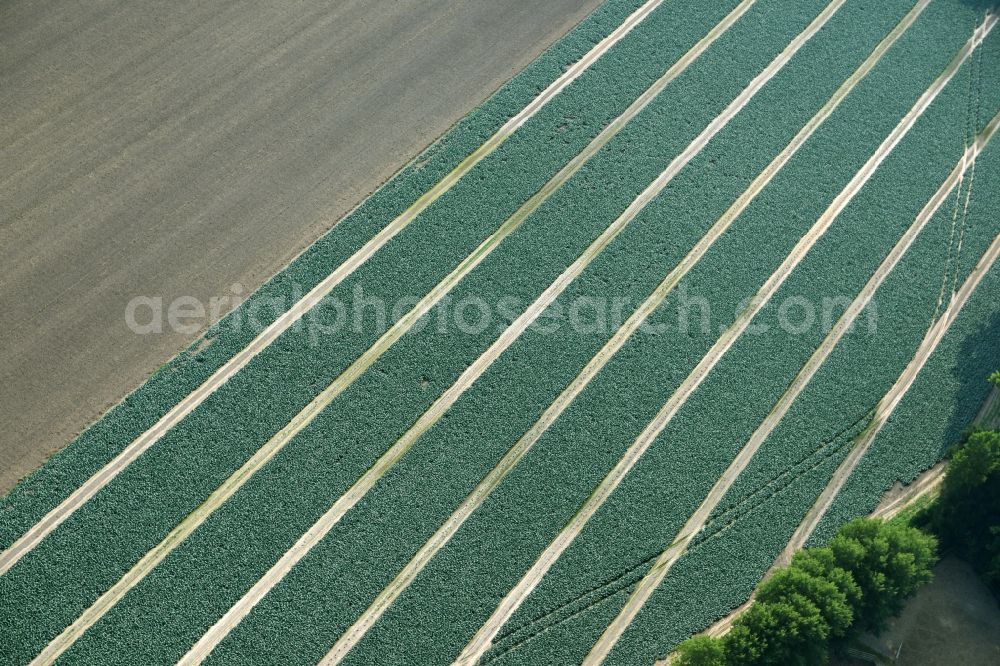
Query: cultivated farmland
x=642, y=307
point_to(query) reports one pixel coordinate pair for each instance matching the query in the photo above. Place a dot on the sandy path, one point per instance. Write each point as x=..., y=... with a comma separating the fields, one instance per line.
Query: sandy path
x=887, y=405
x=361, y=487
x=93, y=485
x=925, y=484
x=483, y=638
x=370, y=356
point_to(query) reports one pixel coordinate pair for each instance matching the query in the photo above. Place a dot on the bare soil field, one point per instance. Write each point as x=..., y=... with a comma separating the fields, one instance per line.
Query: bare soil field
x=177, y=149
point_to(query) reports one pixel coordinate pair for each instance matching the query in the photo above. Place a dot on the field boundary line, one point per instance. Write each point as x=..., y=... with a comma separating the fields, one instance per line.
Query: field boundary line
x=270, y=449
x=30, y=539
x=698, y=519
x=482, y=640
x=989, y=413
x=514, y=455
x=611, y=481
x=926, y=483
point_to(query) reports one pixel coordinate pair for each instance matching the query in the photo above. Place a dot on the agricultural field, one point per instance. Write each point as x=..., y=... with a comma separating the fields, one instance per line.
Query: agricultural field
x=703, y=281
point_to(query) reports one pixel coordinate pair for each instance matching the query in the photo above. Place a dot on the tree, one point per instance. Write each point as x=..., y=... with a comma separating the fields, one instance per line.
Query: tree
x=797, y=611
x=967, y=515
x=701, y=651
x=787, y=632
x=828, y=598
x=888, y=561
x=821, y=562
x=858, y=582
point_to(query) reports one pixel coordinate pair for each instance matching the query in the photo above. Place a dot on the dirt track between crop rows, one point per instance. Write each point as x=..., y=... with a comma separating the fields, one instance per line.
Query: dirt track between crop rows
x=698, y=520
x=482, y=641
x=156, y=536
x=908, y=495
x=293, y=314
x=888, y=405
x=173, y=149
x=516, y=453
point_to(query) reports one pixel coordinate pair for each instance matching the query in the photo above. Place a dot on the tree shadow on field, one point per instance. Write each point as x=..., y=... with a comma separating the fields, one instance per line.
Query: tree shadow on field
x=979, y=356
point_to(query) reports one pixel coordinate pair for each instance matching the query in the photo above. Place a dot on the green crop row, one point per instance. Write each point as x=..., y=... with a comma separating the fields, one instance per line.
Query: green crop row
x=468, y=444
x=938, y=407
x=835, y=403
x=335, y=583
x=152, y=476
x=449, y=460
x=66, y=470
x=94, y=547
x=235, y=547
x=722, y=571
x=719, y=575
x=474, y=572
x=864, y=366
x=945, y=397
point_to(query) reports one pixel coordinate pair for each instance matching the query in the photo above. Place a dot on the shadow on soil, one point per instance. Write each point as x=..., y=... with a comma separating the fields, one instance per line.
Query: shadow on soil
x=953, y=620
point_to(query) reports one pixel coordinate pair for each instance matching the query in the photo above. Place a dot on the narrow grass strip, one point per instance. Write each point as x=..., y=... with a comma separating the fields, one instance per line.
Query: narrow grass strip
x=32, y=537
x=698, y=519
x=267, y=452
x=482, y=641
x=516, y=453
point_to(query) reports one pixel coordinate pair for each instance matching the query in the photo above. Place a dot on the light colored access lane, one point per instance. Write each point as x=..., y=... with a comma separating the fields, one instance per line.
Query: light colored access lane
x=516, y=453
x=178, y=148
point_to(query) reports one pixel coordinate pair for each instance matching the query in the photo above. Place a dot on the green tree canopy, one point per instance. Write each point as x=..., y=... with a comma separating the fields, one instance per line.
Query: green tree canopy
x=791, y=631
x=967, y=516
x=888, y=561
x=857, y=582
x=828, y=598
x=701, y=651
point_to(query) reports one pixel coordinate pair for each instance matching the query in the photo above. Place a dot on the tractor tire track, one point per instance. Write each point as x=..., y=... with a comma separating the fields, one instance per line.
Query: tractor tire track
x=482, y=641
x=521, y=324
x=888, y=404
